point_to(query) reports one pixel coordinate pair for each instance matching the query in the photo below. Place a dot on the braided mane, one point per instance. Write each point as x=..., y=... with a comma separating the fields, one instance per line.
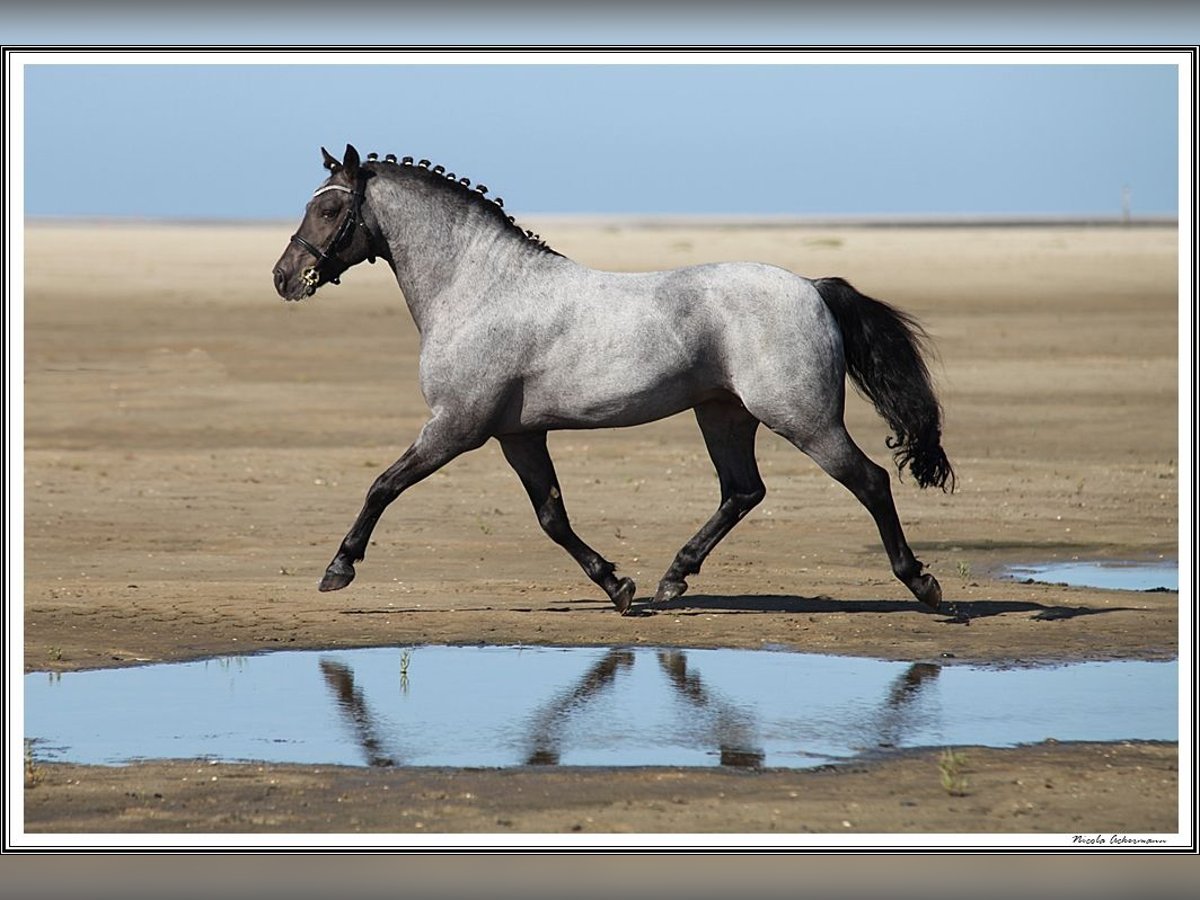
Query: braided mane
x=443, y=180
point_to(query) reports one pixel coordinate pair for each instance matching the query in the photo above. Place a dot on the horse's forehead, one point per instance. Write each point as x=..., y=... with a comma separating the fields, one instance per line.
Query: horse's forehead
x=329, y=186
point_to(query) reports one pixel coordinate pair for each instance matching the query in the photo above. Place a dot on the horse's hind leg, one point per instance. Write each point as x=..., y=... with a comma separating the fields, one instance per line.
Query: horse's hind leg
x=836, y=453
x=729, y=435
x=530, y=459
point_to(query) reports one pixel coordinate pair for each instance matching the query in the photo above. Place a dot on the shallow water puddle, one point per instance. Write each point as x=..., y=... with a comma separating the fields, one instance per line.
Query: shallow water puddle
x=1113, y=575
x=509, y=706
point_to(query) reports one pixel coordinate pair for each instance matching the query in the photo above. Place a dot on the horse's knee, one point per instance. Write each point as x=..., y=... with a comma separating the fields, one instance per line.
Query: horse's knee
x=754, y=496
x=382, y=491
x=745, y=500
x=553, y=519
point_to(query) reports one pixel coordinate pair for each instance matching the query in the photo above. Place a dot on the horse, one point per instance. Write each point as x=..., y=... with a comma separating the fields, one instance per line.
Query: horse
x=518, y=340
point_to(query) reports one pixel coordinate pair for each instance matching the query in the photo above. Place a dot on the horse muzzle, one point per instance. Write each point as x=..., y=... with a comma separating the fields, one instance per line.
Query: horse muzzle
x=297, y=287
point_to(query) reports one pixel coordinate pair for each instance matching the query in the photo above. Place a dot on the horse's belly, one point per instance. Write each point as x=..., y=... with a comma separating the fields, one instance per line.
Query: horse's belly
x=600, y=405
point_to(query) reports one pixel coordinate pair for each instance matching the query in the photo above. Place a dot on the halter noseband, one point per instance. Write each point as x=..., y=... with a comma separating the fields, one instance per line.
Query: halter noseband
x=345, y=231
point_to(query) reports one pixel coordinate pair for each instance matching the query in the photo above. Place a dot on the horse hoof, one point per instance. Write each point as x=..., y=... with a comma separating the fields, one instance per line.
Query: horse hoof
x=337, y=576
x=623, y=598
x=669, y=590
x=928, y=591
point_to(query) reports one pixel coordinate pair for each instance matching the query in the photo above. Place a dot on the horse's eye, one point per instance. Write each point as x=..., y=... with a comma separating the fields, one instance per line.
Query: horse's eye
x=328, y=212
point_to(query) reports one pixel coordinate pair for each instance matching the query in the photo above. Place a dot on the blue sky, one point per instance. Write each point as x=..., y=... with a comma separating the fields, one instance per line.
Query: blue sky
x=240, y=141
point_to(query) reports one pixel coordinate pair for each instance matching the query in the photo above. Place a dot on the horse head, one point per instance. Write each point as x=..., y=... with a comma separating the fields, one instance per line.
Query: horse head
x=334, y=233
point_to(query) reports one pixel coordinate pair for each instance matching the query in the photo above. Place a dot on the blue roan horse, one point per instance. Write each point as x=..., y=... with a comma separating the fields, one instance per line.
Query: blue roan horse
x=517, y=340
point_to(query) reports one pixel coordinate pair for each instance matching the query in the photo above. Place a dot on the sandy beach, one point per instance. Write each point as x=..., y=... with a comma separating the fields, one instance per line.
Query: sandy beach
x=195, y=449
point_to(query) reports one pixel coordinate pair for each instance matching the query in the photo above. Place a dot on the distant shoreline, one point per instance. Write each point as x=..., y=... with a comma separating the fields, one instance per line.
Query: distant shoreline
x=663, y=221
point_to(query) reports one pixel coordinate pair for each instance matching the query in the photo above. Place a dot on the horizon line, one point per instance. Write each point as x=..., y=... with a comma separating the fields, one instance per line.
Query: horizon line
x=693, y=220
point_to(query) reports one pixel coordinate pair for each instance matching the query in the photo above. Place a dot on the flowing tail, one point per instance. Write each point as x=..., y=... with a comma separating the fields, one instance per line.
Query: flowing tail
x=884, y=350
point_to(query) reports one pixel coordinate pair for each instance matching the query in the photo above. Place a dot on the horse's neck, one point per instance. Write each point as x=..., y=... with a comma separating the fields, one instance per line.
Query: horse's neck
x=447, y=261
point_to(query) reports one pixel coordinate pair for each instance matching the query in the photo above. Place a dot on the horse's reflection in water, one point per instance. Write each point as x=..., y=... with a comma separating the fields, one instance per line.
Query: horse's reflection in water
x=898, y=713
x=730, y=728
x=714, y=722
x=548, y=724
x=353, y=706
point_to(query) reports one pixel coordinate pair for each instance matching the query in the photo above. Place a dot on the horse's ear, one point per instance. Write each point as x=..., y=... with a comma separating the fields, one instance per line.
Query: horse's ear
x=329, y=161
x=350, y=161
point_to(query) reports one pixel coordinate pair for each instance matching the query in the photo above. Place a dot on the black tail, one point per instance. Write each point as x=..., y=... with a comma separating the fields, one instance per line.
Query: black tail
x=884, y=360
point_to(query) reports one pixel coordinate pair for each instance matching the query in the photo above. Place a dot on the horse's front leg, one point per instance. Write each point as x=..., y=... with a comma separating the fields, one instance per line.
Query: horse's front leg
x=530, y=459
x=437, y=444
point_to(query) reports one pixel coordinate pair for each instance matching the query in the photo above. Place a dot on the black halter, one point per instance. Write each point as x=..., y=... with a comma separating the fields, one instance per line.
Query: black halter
x=351, y=221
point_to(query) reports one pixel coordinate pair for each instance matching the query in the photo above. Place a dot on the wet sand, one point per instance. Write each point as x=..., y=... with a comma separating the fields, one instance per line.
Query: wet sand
x=195, y=449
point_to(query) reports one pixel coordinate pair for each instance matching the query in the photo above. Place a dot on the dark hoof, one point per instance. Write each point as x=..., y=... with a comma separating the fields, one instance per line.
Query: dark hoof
x=669, y=590
x=337, y=576
x=623, y=597
x=928, y=591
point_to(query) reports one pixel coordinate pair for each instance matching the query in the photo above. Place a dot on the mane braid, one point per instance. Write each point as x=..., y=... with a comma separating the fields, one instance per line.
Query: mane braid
x=476, y=196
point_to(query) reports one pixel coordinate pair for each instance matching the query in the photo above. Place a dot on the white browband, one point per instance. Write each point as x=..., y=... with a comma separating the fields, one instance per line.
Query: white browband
x=332, y=187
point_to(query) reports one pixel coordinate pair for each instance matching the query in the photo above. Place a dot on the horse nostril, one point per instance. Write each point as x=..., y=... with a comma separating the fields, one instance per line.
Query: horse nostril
x=280, y=280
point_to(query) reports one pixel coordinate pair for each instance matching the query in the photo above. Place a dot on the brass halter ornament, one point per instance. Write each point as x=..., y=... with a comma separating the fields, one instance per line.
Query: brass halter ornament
x=311, y=276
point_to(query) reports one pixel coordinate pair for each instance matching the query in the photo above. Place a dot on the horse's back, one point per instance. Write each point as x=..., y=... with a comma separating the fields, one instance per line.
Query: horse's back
x=755, y=298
